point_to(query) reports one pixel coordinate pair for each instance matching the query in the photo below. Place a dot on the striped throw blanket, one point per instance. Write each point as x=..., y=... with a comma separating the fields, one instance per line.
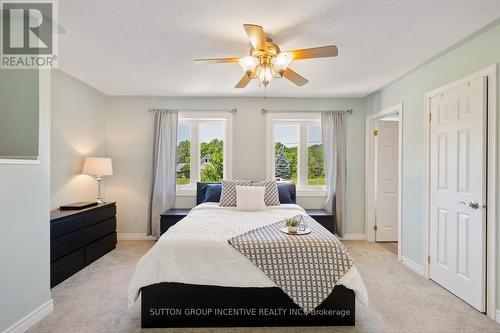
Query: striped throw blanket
x=305, y=267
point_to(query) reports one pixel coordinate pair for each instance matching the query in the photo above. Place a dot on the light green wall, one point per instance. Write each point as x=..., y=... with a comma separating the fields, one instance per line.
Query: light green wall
x=18, y=113
x=24, y=220
x=77, y=131
x=129, y=137
x=475, y=53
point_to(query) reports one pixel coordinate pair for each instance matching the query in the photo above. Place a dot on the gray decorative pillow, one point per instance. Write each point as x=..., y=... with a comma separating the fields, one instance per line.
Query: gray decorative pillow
x=228, y=195
x=271, y=196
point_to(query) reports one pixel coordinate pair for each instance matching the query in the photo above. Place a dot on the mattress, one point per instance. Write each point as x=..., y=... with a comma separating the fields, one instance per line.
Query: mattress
x=196, y=251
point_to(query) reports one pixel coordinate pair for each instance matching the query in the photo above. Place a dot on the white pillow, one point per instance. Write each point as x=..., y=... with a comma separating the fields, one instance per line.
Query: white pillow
x=250, y=197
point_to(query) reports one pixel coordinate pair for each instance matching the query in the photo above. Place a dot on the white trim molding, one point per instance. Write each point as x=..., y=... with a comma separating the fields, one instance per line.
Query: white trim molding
x=419, y=269
x=20, y=161
x=497, y=316
x=370, y=176
x=135, y=237
x=492, y=184
x=353, y=237
x=31, y=318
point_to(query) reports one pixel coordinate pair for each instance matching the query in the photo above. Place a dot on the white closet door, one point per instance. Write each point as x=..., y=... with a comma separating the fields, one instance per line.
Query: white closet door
x=458, y=191
x=386, y=214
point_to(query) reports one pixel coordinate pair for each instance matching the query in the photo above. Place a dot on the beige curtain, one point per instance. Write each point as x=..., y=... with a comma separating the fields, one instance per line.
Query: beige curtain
x=333, y=126
x=162, y=194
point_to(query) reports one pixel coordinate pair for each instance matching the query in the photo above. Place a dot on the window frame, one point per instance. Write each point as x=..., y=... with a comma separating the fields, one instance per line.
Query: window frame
x=303, y=120
x=195, y=119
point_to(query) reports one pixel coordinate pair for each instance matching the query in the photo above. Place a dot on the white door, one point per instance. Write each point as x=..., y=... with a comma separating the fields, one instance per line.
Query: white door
x=386, y=210
x=458, y=191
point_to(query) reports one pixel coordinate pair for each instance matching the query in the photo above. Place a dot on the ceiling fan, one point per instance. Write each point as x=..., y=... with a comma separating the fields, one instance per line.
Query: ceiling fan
x=266, y=61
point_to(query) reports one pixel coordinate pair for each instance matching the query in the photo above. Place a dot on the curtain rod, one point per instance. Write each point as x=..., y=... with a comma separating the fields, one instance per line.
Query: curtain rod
x=195, y=110
x=272, y=111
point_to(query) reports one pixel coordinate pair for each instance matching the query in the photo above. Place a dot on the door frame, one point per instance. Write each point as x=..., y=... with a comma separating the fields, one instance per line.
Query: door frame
x=491, y=157
x=370, y=173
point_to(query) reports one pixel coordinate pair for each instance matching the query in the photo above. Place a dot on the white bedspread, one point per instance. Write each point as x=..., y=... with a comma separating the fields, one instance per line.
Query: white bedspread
x=196, y=251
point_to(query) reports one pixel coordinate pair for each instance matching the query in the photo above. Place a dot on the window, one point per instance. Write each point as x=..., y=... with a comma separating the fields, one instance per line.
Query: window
x=315, y=161
x=203, y=150
x=295, y=151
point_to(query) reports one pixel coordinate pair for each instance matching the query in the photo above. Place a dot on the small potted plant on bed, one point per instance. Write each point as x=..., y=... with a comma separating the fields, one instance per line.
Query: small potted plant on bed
x=292, y=224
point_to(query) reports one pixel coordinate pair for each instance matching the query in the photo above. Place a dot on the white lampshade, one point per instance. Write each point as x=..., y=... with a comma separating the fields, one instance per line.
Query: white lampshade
x=98, y=166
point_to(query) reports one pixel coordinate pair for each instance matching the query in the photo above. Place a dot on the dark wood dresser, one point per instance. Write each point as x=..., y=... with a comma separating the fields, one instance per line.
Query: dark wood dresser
x=79, y=237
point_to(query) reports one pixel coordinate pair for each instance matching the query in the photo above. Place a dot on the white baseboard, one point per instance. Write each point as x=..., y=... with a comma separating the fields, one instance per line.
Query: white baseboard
x=134, y=236
x=412, y=265
x=353, y=237
x=31, y=318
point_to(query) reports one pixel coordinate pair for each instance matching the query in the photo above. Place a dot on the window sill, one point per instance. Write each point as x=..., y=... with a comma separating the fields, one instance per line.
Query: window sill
x=311, y=193
x=185, y=192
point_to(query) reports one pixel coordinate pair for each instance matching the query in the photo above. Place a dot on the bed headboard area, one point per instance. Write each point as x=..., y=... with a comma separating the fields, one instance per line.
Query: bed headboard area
x=210, y=192
x=201, y=191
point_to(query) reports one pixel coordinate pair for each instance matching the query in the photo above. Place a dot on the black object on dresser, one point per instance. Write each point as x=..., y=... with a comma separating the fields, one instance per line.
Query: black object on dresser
x=171, y=217
x=79, y=237
x=323, y=217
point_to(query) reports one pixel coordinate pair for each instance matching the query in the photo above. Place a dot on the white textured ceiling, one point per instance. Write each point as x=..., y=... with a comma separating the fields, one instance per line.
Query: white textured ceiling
x=147, y=47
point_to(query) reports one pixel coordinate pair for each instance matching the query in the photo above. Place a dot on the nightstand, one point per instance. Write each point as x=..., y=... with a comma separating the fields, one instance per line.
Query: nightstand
x=171, y=217
x=323, y=217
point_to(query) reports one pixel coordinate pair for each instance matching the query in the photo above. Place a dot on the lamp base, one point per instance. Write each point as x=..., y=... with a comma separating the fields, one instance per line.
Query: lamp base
x=99, y=197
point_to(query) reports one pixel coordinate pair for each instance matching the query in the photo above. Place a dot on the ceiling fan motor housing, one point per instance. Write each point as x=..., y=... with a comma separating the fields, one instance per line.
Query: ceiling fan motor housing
x=272, y=50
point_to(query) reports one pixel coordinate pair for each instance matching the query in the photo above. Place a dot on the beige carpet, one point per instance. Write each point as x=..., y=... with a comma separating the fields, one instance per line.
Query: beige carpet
x=94, y=300
x=390, y=246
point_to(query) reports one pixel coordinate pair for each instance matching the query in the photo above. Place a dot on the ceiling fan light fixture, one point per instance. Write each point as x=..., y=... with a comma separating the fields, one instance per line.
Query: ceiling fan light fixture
x=281, y=62
x=267, y=61
x=249, y=64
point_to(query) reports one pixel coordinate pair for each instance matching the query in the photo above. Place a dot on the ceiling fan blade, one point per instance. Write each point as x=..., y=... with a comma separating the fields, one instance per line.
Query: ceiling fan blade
x=315, y=52
x=257, y=36
x=243, y=82
x=294, y=77
x=216, y=60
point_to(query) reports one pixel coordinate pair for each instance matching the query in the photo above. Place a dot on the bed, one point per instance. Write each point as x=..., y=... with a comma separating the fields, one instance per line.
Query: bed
x=193, y=277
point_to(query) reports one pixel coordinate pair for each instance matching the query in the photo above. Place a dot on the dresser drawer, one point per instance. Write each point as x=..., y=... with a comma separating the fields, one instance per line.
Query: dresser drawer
x=79, y=237
x=64, y=226
x=99, y=230
x=66, y=244
x=99, y=215
x=99, y=248
x=63, y=268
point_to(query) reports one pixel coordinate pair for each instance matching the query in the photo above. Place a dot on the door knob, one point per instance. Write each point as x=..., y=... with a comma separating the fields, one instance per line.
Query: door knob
x=473, y=204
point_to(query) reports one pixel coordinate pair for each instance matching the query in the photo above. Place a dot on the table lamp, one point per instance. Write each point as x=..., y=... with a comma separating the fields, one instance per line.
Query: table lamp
x=98, y=167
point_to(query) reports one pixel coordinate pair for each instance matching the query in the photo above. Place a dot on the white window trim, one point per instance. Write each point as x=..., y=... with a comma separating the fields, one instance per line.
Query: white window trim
x=305, y=119
x=195, y=118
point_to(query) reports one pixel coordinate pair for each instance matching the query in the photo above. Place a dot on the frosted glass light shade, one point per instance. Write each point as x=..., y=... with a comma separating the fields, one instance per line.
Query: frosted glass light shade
x=265, y=74
x=281, y=62
x=98, y=166
x=249, y=64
